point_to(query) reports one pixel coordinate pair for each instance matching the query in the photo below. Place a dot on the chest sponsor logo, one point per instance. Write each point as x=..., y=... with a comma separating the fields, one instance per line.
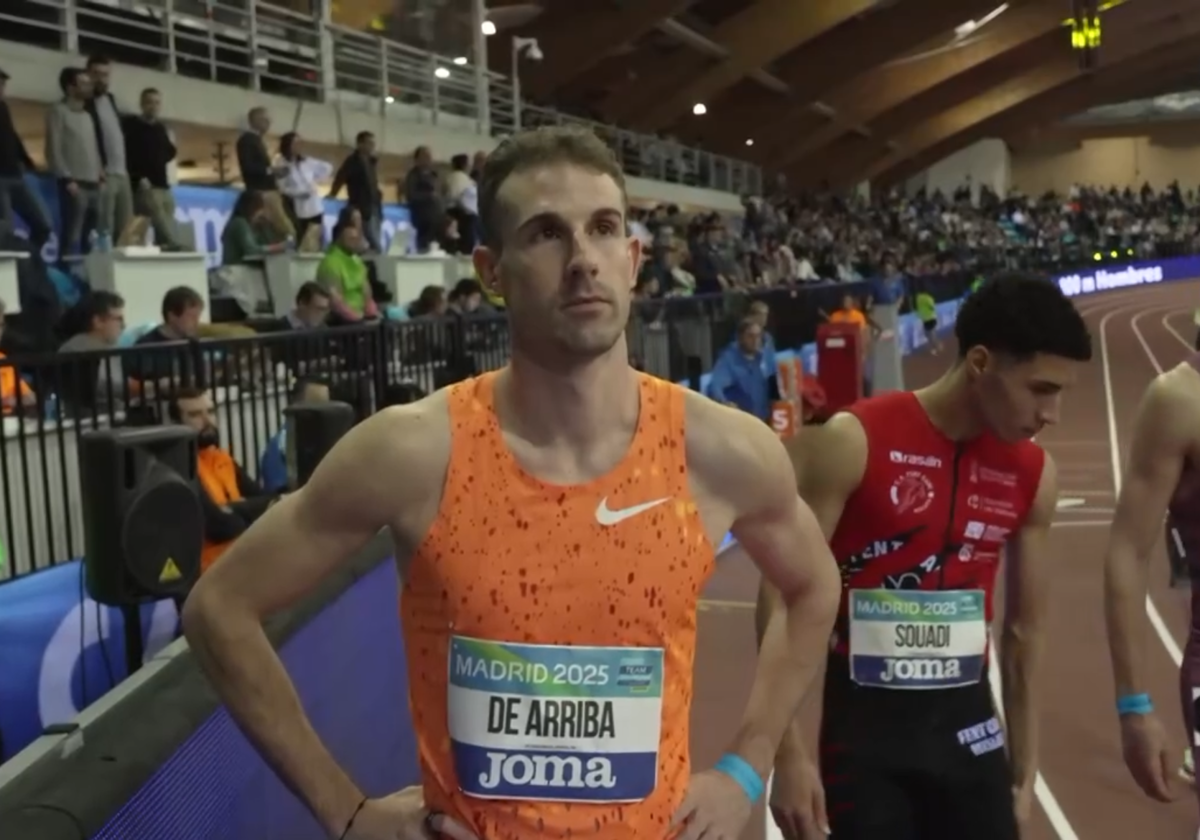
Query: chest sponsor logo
x=554, y=723
x=992, y=506
x=917, y=640
x=930, y=461
x=875, y=549
x=985, y=532
x=912, y=492
x=979, y=474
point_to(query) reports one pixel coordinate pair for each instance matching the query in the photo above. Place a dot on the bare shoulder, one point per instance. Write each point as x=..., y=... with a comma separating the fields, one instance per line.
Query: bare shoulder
x=390, y=463
x=722, y=440
x=1170, y=408
x=830, y=458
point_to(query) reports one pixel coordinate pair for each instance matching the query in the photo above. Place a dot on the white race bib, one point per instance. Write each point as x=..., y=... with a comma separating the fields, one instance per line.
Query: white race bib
x=911, y=639
x=555, y=723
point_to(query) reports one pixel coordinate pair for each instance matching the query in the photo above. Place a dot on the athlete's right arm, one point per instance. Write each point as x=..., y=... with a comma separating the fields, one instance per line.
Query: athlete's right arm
x=829, y=462
x=385, y=467
x=1157, y=454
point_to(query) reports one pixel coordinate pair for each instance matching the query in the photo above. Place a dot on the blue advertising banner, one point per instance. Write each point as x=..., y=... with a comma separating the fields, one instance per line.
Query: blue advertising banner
x=206, y=210
x=1128, y=275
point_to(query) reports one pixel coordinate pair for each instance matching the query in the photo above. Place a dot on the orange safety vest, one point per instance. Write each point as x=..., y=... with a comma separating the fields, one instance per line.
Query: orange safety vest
x=10, y=384
x=217, y=472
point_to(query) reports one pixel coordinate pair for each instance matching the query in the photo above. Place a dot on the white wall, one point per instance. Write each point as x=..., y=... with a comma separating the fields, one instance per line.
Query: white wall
x=985, y=162
x=35, y=78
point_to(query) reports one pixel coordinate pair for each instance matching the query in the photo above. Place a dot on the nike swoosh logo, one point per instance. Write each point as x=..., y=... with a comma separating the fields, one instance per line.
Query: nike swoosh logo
x=607, y=516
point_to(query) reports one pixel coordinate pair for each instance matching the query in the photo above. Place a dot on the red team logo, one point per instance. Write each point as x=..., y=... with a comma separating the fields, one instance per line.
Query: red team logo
x=912, y=492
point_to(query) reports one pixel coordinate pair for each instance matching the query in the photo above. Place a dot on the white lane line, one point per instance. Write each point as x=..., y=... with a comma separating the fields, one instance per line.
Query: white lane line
x=1156, y=619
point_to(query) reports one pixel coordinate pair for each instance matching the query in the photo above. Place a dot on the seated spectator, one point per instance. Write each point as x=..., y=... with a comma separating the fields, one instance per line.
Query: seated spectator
x=430, y=304
x=273, y=467
x=182, y=308
x=737, y=377
x=466, y=298
x=247, y=236
x=343, y=275
x=230, y=499
x=311, y=310
x=103, y=321
x=15, y=392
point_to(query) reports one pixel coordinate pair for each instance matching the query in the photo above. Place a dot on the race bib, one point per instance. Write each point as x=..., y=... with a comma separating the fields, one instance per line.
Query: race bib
x=555, y=723
x=914, y=639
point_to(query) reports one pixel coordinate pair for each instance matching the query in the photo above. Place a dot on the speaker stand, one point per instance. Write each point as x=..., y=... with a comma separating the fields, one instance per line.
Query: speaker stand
x=135, y=648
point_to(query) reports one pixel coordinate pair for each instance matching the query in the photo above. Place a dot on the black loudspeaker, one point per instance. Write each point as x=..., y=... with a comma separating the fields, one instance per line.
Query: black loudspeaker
x=143, y=527
x=312, y=430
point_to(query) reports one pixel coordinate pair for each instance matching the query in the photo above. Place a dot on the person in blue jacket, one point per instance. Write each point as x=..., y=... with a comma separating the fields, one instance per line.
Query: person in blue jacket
x=272, y=473
x=738, y=378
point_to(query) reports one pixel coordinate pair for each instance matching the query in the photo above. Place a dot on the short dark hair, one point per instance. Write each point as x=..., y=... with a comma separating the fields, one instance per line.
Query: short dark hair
x=68, y=77
x=308, y=290
x=363, y=136
x=184, y=392
x=1022, y=315
x=97, y=60
x=302, y=384
x=150, y=91
x=540, y=147
x=179, y=300
x=99, y=303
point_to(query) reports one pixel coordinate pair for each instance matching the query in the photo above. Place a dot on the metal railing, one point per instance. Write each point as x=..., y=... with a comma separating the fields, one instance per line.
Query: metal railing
x=369, y=367
x=264, y=47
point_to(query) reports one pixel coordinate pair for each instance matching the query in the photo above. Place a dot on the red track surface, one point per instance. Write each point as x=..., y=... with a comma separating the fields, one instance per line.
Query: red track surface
x=1087, y=793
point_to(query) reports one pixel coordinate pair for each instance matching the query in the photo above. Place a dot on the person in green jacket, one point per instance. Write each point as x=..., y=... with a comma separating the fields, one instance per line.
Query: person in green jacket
x=343, y=274
x=244, y=240
x=926, y=308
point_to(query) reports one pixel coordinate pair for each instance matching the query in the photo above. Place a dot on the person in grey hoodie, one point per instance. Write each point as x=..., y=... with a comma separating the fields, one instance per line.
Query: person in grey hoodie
x=116, y=196
x=73, y=157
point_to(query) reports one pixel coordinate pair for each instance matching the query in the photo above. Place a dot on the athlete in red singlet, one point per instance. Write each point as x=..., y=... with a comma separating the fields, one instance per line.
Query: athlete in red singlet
x=1163, y=477
x=922, y=494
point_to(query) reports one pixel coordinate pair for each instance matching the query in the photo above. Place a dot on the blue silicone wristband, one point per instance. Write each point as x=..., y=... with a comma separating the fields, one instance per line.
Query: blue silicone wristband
x=1134, y=704
x=738, y=769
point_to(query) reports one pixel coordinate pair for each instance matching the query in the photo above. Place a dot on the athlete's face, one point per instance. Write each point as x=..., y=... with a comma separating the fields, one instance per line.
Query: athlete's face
x=566, y=267
x=1019, y=398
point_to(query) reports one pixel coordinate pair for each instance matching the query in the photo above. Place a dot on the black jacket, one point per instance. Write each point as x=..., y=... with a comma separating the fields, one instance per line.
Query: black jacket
x=148, y=150
x=14, y=159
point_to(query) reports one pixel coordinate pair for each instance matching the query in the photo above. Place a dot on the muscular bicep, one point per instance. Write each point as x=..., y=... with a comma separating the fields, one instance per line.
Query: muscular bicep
x=1027, y=556
x=774, y=525
x=1157, y=455
x=829, y=462
x=312, y=532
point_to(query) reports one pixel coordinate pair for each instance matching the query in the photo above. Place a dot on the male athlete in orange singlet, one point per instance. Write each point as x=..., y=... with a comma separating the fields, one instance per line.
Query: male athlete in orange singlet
x=555, y=524
x=1163, y=477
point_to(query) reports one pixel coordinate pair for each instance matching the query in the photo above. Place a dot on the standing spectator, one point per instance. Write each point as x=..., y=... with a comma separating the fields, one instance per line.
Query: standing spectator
x=16, y=198
x=116, y=196
x=423, y=193
x=463, y=195
x=258, y=174
x=73, y=156
x=737, y=377
x=477, y=166
x=148, y=152
x=298, y=183
x=359, y=174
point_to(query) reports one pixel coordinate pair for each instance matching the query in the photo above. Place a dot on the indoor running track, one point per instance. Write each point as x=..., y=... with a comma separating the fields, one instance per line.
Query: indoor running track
x=1085, y=791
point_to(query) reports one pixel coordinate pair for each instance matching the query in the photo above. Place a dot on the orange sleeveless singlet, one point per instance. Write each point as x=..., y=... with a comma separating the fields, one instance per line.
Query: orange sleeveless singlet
x=550, y=633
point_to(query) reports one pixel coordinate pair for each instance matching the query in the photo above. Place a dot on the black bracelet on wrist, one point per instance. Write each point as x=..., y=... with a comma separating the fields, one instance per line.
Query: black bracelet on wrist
x=353, y=817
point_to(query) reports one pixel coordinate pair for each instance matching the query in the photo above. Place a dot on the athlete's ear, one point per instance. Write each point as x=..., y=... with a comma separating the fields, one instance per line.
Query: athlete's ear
x=977, y=360
x=486, y=262
x=635, y=260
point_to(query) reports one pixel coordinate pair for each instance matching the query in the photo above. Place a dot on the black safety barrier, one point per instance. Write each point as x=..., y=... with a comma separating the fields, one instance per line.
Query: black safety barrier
x=71, y=782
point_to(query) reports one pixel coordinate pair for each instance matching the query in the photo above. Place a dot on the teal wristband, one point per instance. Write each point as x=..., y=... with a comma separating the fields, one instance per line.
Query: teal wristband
x=738, y=769
x=1134, y=704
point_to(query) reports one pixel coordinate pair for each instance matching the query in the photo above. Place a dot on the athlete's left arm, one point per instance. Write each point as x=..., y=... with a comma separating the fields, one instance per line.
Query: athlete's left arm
x=1023, y=634
x=782, y=536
